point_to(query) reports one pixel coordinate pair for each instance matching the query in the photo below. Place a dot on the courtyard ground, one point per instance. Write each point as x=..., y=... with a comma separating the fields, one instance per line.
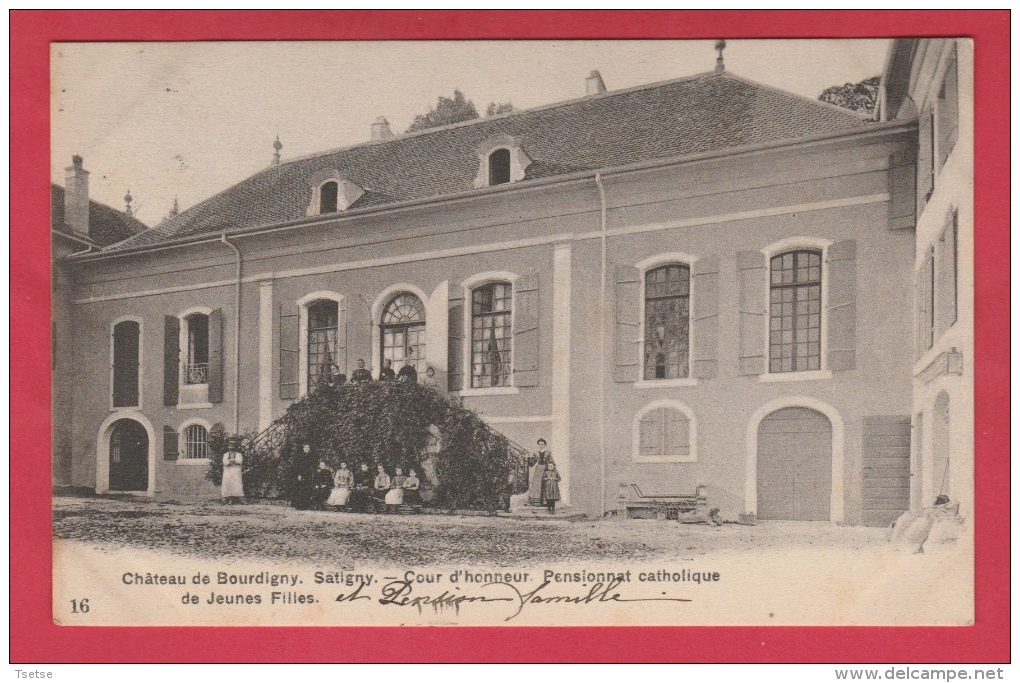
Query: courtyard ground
x=277, y=532
x=773, y=573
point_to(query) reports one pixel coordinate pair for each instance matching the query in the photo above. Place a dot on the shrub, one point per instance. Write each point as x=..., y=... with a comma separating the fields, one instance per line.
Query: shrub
x=386, y=423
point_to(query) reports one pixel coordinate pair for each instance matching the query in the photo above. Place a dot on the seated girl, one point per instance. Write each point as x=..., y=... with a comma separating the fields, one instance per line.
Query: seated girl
x=343, y=482
x=395, y=496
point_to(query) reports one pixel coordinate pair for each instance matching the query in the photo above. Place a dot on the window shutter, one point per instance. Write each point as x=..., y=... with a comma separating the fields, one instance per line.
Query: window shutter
x=290, y=350
x=126, y=362
x=948, y=111
x=927, y=331
x=340, y=357
x=627, y=350
x=841, y=307
x=753, y=284
x=170, y=445
x=216, y=356
x=945, y=264
x=526, y=337
x=919, y=312
x=705, y=307
x=650, y=434
x=925, y=157
x=171, y=359
x=677, y=431
x=455, y=339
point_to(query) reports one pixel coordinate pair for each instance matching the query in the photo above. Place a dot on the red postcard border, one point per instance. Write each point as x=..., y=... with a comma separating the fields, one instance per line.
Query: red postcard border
x=34, y=637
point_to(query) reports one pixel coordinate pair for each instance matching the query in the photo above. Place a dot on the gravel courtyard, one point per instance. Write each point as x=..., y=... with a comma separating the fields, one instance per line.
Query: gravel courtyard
x=267, y=531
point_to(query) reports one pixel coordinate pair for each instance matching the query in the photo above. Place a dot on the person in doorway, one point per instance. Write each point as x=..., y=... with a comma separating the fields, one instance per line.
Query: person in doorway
x=551, y=486
x=343, y=482
x=408, y=373
x=538, y=465
x=387, y=374
x=361, y=374
x=232, y=488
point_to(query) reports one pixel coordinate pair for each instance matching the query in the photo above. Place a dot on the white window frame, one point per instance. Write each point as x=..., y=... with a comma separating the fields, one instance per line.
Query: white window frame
x=651, y=263
x=775, y=249
x=303, y=304
x=182, y=446
x=347, y=192
x=469, y=285
x=519, y=159
x=141, y=362
x=190, y=396
x=692, y=432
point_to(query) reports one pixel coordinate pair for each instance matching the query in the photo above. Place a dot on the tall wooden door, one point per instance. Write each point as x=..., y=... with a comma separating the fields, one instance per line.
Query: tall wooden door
x=129, y=457
x=794, y=465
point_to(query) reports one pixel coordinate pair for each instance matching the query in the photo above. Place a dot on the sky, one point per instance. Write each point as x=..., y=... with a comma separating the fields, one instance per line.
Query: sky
x=188, y=120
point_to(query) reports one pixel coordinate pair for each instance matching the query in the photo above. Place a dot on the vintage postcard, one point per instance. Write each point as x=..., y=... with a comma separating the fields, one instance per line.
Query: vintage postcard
x=513, y=333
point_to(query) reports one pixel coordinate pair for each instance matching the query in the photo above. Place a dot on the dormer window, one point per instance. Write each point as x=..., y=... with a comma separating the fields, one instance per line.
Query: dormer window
x=332, y=192
x=327, y=196
x=501, y=160
x=499, y=167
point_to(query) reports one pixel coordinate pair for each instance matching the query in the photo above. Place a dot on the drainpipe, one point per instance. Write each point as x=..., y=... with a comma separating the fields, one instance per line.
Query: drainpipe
x=237, y=331
x=602, y=347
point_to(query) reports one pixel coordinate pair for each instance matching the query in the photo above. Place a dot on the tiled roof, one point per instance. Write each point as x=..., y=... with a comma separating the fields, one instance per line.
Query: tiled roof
x=106, y=225
x=693, y=115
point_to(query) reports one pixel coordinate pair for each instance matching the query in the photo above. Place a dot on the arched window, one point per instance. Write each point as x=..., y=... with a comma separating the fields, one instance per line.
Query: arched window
x=499, y=167
x=491, y=334
x=328, y=197
x=667, y=322
x=323, y=317
x=795, y=311
x=196, y=442
x=664, y=432
x=126, y=360
x=402, y=329
x=196, y=369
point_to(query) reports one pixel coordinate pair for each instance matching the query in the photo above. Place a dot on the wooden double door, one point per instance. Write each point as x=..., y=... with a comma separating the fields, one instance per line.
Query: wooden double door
x=129, y=457
x=794, y=465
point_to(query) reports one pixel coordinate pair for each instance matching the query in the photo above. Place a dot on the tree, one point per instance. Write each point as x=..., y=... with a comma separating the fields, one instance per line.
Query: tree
x=447, y=111
x=854, y=96
x=496, y=108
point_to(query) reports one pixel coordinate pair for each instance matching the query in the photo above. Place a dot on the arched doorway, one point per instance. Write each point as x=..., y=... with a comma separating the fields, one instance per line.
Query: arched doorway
x=794, y=465
x=940, y=448
x=129, y=456
x=402, y=328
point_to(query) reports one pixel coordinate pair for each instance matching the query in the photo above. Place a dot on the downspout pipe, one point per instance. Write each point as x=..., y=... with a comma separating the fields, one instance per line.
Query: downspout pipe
x=237, y=331
x=602, y=344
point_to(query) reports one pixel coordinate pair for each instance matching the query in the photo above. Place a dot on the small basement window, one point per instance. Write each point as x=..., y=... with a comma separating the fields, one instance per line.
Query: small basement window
x=499, y=167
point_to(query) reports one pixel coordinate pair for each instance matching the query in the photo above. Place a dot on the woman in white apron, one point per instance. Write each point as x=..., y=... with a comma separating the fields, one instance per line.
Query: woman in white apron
x=232, y=487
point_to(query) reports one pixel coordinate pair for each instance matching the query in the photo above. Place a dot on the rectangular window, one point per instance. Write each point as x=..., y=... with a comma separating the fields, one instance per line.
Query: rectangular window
x=795, y=312
x=928, y=319
x=197, y=369
x=323, y=317
x=667, y=322
x=491, y=338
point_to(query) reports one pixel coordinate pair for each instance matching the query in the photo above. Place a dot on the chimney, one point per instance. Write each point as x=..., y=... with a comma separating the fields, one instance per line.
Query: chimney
x=76, y=196
x=381, y=130
x=594, y=84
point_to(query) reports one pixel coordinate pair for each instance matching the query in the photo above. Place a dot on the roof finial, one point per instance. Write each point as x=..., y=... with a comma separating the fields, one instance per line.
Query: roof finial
x=720, y=45
x=175, y=209
x=127, y=201
x=277, y=145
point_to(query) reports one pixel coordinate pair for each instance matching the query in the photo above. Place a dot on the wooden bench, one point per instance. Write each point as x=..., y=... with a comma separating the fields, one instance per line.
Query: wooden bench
x=664, y=505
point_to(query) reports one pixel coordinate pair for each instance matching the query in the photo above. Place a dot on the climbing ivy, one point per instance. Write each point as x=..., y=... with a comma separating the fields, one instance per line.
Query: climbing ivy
x=387, y=423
